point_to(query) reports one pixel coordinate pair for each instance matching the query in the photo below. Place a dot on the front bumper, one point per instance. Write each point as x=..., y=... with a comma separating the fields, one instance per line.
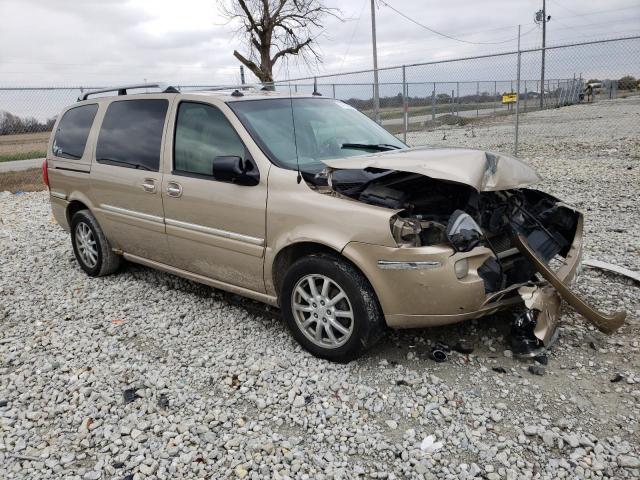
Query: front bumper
x=427, y=297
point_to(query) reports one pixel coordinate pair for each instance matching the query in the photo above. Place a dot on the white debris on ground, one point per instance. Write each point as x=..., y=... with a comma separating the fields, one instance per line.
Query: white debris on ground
x=144, y=375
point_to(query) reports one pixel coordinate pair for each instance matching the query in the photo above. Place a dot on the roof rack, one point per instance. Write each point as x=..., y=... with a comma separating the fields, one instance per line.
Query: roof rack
x=122, y=90
x=217, y=88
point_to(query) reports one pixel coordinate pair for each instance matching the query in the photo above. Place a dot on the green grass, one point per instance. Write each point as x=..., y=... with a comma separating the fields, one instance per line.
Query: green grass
x=10, y=157
x=391, y=112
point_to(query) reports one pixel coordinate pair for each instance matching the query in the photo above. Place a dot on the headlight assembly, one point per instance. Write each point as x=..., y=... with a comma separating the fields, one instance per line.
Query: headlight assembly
x=413, y=232
x=406, y=231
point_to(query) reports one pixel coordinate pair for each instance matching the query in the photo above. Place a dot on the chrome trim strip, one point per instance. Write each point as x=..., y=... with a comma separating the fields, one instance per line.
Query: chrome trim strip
x=393, y=265
x=132, y=213
x=58, y=195
x=215, y=232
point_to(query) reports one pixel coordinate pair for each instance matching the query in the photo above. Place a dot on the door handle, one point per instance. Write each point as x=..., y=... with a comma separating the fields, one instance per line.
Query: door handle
x=174, y=189
x=149, y=185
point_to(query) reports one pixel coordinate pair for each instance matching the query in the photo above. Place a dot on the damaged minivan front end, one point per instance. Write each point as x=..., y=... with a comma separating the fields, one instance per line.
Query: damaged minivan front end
x=471, y=238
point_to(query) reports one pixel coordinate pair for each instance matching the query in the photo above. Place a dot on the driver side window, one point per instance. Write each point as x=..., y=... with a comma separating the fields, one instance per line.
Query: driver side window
x=202, y=133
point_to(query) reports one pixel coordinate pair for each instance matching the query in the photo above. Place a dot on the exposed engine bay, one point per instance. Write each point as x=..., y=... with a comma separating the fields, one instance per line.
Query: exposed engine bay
x=435, y=212
x=527, y=230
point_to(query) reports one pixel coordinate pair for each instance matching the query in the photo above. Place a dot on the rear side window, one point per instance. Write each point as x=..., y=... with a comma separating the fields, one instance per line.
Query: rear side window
x=131, y=134
x=203, y=133
x=73, y=131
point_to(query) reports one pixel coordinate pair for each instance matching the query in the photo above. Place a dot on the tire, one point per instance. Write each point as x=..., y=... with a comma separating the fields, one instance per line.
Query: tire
x=303, y=313
x=91, y=247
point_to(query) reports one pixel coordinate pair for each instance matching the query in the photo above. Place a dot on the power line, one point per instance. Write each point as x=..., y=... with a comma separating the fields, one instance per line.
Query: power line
x=599, y=12
x=444, y=34
x=353, y=33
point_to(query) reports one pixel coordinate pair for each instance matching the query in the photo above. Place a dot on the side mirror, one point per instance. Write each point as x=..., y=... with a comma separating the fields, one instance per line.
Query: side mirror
x=234, y=169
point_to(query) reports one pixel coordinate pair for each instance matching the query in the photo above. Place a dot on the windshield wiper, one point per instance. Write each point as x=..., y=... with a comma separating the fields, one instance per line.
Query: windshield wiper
x=380, y=147
x=130, y=164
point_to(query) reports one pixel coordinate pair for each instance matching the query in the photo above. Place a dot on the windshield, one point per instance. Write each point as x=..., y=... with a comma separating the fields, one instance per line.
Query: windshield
x=324, y=129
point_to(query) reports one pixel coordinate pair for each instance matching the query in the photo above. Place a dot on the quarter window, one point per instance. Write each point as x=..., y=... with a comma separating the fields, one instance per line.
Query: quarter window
x=73, y=131
x=131, y=133
x=203, y=133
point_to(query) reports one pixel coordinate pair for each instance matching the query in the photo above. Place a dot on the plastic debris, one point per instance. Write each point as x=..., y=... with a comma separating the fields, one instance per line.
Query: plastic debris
x=612, y=268
x=129, y=395
x=429, y=444
x=438, y=355
x=542, y=359
x=617, y=378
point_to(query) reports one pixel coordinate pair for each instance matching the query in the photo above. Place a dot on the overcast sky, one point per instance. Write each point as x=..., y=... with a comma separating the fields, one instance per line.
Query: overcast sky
x=105, y=42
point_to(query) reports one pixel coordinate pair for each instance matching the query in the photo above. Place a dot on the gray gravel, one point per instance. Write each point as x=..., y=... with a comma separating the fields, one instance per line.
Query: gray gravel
x=147, y=374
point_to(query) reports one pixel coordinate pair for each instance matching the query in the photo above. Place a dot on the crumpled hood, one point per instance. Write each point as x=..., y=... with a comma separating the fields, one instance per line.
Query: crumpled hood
x=484, y=171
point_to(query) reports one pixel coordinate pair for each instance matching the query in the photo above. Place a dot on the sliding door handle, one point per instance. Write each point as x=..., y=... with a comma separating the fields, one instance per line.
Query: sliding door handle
x=174, y=189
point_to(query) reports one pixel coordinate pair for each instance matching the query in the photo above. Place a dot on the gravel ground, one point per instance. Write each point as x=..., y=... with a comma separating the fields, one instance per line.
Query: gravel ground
x=143, y=375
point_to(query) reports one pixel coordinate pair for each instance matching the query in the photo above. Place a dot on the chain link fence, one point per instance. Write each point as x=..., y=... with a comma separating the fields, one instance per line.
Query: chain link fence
x=497, y=102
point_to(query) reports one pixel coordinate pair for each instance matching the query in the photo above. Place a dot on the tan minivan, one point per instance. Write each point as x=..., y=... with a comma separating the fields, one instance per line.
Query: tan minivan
x=304, y=203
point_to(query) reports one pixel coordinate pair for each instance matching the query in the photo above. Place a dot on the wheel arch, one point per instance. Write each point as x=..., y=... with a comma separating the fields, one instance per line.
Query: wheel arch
x=74, y=207
x=288, y=255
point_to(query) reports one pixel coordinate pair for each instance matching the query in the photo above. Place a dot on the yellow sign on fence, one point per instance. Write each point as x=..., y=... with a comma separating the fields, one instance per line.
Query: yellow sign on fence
x=509, y=98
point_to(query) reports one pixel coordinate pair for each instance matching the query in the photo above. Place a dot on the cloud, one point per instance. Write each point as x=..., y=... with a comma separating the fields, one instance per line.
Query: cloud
x=99, y=42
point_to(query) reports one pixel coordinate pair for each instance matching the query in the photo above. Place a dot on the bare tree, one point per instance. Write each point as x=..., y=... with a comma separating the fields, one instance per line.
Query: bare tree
x=284, y=27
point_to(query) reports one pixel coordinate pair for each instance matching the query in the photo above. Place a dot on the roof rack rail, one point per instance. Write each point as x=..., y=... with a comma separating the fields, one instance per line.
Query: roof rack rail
x=216, y=88
x=122, y=90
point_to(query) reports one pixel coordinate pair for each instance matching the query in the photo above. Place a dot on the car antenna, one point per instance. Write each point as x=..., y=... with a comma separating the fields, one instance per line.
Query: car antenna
x=293, y=121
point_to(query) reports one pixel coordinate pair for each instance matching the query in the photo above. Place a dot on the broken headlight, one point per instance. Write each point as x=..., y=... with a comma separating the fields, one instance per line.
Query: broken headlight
x=412, y=232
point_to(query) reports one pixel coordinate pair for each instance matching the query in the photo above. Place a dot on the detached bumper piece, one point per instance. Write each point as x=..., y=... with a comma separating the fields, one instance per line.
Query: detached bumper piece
x=603, y=322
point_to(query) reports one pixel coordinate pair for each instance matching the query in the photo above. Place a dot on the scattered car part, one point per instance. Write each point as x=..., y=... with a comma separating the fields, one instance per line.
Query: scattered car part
x=438, y=355
x=603, y=322
x=617, y=378
x=612, y=268
x=536, y=370
x=542, y=359
x=523, y=341
x=429, y=445
x=129, y=395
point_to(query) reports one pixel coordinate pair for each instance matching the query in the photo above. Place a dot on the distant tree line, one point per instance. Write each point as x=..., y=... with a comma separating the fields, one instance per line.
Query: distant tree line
x=628, y=82
x=11, y=124
x=417, y=101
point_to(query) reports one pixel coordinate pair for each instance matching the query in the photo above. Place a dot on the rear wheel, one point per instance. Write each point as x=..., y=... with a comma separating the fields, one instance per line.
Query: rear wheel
x=91, y=247
x=330, y=308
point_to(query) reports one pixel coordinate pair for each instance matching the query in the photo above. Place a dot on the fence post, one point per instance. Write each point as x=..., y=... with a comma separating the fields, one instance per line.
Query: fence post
x=477, y=99
x=405, y=112
x=433, y=102
x=495, y=94
x=515, y=143
x=333, y=87
x=458, y=98
x=526, y=97
x=452, y=101
x=373, y=97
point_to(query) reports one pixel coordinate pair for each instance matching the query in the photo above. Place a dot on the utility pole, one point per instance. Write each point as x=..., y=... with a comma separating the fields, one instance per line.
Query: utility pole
x=242, y=74
x=541, y=16
x=376, y=90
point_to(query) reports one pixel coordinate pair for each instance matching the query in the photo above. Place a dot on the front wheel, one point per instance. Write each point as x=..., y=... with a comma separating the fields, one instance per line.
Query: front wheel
x=330, y=308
